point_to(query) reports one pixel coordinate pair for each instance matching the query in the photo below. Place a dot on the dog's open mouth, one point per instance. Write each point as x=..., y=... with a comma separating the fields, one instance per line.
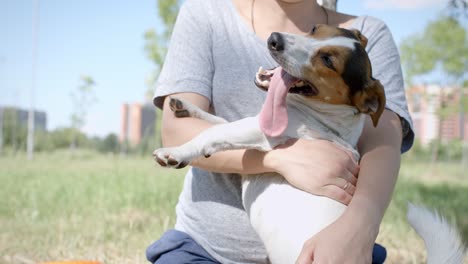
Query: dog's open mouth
x=298, y=86
x=273, y=118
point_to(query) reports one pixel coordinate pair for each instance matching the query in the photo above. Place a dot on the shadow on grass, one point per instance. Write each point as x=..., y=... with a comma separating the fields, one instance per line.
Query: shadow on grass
x=448, y=199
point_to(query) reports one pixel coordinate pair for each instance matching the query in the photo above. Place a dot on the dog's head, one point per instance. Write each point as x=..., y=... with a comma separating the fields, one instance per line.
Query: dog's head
x=331, y=65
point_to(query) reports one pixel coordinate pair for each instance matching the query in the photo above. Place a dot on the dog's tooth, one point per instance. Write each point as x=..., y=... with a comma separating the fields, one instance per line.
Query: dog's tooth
x=265, y=83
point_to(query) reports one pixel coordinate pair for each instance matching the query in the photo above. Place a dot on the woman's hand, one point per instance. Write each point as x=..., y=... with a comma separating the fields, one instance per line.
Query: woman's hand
x=316, y=166
x=349, y=240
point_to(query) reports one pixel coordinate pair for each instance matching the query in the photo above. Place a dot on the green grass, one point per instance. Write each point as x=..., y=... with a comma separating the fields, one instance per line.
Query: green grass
x=88, y=207
x=443, y=187
x=110, y=208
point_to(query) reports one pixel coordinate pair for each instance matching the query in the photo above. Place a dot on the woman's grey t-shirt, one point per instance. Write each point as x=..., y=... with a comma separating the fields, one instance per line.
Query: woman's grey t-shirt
x=215, y=54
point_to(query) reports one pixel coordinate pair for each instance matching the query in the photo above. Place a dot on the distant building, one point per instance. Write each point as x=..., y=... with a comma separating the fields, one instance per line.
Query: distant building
x=424, y=103
x=20, y=116
x=137, y=122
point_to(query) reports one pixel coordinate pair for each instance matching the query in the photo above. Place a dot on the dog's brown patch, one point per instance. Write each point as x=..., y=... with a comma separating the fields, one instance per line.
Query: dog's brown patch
x=343, y=76
x=371, y=100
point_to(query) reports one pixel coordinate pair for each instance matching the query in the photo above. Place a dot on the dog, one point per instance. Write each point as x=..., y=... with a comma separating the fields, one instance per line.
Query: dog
x=322, y=89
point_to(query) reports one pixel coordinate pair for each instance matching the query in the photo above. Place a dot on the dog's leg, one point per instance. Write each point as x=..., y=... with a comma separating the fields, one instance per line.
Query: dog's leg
x=182, y=108
x=242, y=134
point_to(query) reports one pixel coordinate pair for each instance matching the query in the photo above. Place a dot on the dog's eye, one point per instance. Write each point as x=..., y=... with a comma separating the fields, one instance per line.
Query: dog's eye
x=314, y=28
x=327, y=61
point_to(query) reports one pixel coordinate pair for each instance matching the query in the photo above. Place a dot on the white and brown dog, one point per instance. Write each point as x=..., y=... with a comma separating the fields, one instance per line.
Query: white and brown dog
x=322, y=89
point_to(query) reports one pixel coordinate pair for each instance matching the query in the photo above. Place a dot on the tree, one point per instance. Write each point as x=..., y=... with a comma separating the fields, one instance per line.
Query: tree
x=14, y=132
x=441, y=49
x=443, y=44
x=458, y=8
x=110, y=144
x=156, y=44
x=1, y=131
x=82, y=98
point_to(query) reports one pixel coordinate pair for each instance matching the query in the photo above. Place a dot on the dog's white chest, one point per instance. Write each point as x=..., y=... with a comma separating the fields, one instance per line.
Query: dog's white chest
x=285, y=217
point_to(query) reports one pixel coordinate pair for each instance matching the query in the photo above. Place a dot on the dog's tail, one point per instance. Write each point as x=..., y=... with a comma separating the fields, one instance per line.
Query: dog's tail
x=443, y=242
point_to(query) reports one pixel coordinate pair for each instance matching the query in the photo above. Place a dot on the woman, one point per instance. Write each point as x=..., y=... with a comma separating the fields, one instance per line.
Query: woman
x=216, y=48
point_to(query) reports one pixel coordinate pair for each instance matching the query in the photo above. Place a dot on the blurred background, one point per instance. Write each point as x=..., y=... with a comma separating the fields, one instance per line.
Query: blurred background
x=77, y=125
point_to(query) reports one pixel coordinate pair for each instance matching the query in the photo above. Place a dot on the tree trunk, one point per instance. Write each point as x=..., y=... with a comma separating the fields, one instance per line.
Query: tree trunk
x=1, y=131
x=462, y=128
x=436, y=146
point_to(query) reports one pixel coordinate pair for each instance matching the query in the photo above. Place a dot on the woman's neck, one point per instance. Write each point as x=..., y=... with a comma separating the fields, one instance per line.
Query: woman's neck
x=293, y=16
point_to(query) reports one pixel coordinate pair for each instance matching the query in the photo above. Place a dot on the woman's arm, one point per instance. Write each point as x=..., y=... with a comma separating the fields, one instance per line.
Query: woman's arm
x=291, y=160
x=355, y=231
x=176, y=131
x=380, y=164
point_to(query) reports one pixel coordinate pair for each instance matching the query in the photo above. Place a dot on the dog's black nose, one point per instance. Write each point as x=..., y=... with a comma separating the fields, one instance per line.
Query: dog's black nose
x=276, y=42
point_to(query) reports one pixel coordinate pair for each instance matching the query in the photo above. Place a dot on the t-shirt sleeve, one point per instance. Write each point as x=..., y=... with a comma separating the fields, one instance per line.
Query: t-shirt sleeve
x=386, y=67
x=188, y=66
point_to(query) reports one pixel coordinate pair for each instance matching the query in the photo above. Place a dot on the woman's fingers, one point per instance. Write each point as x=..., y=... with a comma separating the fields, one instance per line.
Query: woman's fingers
x=344, y=185
x=348, y=177
x=336, y=193
x=352, y=164
x=307, y=253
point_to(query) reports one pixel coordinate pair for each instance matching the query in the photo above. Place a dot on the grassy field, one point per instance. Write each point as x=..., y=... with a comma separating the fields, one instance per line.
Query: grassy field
x=109, y=208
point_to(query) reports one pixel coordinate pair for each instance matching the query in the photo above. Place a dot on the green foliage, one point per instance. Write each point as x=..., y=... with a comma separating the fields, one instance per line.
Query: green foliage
x=82, y=98
x=156, y=42
x=449, y=151
x=110, y=144
x=14, y=132
x=146, y=146
x=62, y=138
x=441, y=48
x=168, y=10
x=443, y=45
x=458, y=8
x=154, y=49
x=416, y=56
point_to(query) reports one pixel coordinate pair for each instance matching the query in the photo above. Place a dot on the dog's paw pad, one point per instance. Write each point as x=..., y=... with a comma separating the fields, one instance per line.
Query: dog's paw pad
x=160, y=161
x=182, y=165
x=172, y=162
x=165, y=158
x=182, y=113
x=177, y=106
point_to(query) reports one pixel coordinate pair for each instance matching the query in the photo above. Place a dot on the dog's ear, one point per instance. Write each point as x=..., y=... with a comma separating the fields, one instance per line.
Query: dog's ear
x=360, y=37
x=371, y=100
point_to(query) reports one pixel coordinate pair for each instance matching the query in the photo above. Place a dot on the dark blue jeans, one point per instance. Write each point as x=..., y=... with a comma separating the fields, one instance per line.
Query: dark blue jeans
x=175, y=247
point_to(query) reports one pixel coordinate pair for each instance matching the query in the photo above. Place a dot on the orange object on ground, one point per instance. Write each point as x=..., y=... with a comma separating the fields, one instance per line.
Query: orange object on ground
x=72, y=262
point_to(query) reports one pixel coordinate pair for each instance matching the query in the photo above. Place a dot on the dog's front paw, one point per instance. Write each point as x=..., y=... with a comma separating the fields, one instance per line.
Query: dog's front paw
x=169, y=157
x=178, y=107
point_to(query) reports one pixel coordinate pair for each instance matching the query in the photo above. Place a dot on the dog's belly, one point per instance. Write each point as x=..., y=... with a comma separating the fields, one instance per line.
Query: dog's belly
x=285, y=217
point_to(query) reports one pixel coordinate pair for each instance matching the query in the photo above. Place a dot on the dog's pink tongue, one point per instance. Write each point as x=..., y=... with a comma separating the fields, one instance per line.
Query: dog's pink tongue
x=273, y=117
